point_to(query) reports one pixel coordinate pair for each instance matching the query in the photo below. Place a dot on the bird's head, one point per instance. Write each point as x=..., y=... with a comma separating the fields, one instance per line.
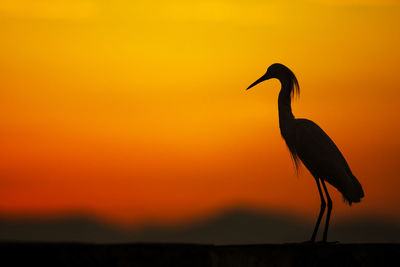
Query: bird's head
x=276, y=70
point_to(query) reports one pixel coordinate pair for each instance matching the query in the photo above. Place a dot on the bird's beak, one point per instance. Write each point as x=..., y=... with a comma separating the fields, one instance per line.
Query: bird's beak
x=263, y=78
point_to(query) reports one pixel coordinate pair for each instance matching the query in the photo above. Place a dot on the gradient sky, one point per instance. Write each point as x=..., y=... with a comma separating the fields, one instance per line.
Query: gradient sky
x=136, y=111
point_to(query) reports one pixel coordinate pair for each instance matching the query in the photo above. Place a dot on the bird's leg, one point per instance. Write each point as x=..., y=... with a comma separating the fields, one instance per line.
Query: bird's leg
x=321, y=212
x=328, y=215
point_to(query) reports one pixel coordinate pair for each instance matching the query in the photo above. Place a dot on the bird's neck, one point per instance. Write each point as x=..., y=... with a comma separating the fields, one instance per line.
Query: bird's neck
x=284, y=105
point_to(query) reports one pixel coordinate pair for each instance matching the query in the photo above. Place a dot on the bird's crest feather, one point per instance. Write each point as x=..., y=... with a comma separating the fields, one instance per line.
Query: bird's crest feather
x=295, y=88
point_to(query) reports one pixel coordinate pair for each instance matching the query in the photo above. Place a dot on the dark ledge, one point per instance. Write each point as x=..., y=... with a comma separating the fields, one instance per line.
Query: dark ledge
x=169, y=254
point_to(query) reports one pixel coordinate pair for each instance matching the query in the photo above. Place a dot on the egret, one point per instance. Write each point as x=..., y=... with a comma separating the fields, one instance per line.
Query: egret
x=310, y=144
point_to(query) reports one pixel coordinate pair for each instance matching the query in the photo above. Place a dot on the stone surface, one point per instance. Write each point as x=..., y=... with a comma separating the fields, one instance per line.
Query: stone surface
x=169, y=254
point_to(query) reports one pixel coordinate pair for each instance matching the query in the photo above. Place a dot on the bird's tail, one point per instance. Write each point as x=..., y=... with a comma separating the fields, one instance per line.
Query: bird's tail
x=354, y=191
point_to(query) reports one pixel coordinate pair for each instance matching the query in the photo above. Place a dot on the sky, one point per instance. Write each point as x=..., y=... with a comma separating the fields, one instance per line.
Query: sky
x=136, y=111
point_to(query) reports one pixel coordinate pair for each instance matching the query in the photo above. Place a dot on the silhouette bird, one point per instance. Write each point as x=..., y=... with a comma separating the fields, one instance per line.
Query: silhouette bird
x=309, y=143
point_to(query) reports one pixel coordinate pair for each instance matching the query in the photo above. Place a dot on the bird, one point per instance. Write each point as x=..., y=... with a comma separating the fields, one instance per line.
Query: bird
x=308, y=143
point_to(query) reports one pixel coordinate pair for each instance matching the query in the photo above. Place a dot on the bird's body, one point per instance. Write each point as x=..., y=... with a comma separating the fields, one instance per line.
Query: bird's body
x=310, y=144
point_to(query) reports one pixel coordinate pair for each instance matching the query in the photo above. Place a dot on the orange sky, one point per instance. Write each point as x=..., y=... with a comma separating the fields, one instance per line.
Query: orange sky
x=136, y=110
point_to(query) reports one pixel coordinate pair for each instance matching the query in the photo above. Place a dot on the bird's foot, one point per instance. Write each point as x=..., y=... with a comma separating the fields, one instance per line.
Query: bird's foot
x=320, y=242
x=330, y=242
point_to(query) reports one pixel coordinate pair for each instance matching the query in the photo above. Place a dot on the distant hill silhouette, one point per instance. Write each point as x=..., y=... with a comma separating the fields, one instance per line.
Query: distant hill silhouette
x=237, y=226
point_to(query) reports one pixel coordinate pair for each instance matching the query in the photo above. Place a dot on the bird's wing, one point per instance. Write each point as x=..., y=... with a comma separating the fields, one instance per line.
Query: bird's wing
x=317, y=151
x=324, y=160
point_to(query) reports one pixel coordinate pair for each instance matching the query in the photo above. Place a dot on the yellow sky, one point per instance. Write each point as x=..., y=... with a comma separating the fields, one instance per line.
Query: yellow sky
x=141, y=88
